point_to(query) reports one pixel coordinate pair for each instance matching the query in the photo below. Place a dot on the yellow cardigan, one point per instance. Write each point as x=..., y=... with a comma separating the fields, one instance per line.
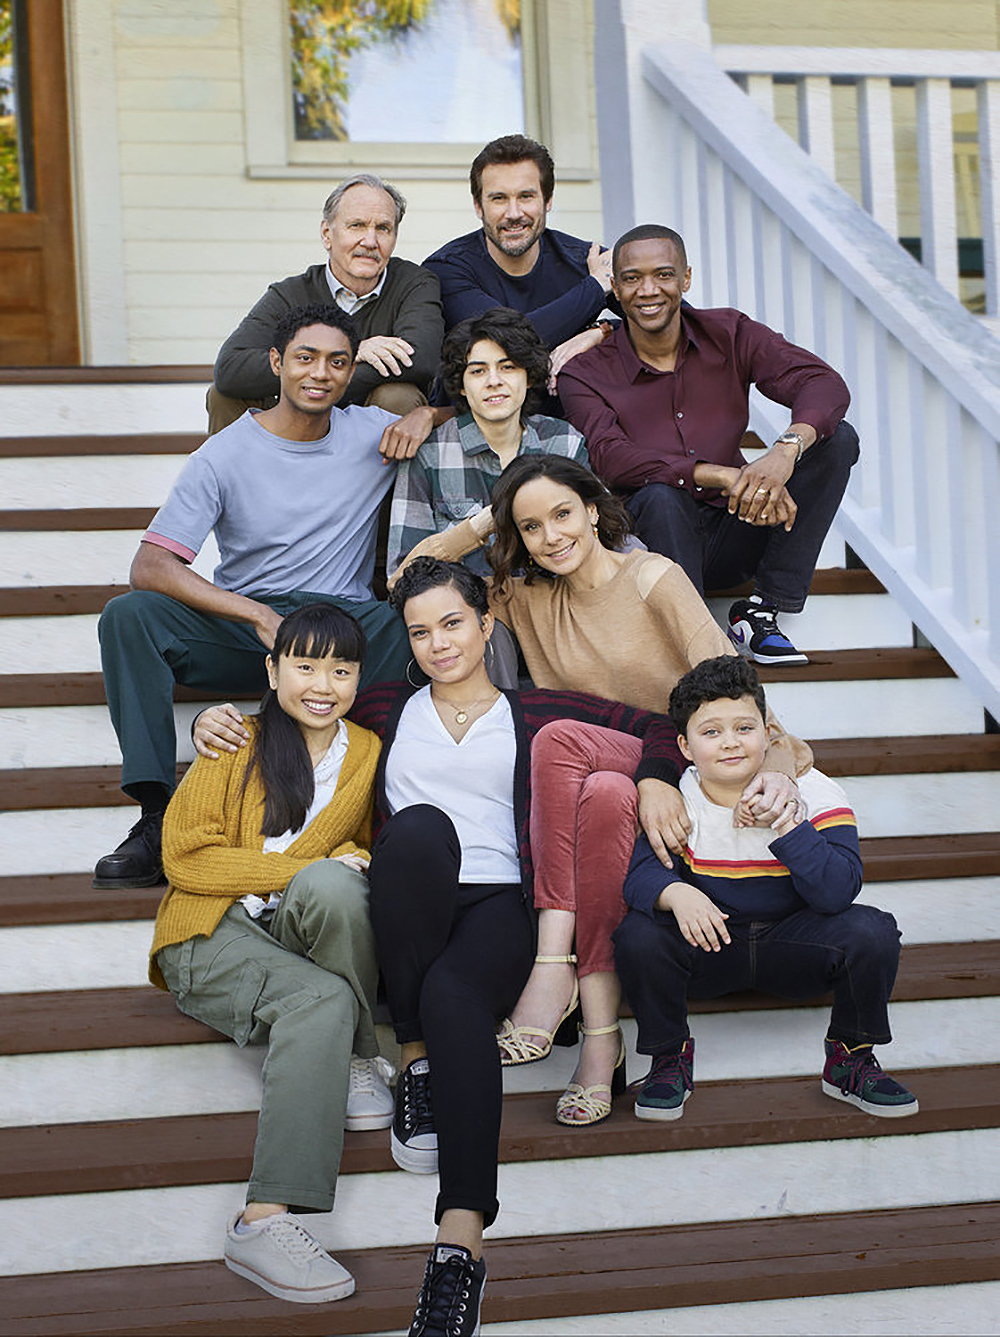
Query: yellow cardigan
x=213, y=847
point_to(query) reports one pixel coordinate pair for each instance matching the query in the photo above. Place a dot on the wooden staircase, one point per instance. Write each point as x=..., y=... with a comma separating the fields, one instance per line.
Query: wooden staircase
x=126, y=1129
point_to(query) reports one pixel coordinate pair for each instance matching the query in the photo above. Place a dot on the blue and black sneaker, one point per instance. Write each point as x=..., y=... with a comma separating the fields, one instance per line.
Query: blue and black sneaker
x=854, y=1075
x=754, y=630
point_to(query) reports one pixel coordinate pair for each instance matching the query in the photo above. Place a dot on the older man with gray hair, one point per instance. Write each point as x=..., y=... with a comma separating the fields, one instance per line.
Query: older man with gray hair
x=395, y=305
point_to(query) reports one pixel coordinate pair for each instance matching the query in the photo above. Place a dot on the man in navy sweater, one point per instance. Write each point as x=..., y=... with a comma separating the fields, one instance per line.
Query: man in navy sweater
x=559, y=282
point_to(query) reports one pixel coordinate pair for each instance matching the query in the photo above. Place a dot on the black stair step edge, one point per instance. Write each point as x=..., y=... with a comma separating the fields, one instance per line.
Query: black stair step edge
x=542, y=1276
x=69, y=898
x=55, y=1021
x=218, y=1148
x=139, y=443
x=52, y=600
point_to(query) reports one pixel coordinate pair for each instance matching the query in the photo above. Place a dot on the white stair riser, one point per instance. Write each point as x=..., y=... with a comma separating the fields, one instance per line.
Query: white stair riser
x=50, y=644
x=107, y=956
x=30, y=558
x=139, y=1083
x=968, y=1310
x=146, y=1226
x=102, y=410
x=88, y=481
x=873, y=708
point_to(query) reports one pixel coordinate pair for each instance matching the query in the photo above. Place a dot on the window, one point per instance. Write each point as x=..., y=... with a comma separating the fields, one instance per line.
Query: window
x=16, y=175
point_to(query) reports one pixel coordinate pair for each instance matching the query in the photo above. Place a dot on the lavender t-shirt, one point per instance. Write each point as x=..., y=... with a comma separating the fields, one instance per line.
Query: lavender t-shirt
x=287, y=515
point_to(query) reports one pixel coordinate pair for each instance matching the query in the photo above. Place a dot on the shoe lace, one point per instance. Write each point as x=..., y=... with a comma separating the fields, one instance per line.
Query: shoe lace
x=365, y=1071
x=444, y=1294
x=417, y=1096
x=293, y=1237
x=859, y=1068
x=671, y=1067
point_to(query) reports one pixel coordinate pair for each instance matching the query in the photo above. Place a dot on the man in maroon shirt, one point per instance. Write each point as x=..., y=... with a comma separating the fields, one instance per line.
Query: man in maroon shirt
x=663, y=404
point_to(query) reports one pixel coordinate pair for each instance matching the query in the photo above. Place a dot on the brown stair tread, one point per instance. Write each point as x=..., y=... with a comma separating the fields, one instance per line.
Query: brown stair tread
x=144, y=443
x=51, y=600
x=77, y=518
x=159, y=374
x=58, y=1020
x=827, y=580
x=218, y=1148
x=543, y=1276
x=69, y=898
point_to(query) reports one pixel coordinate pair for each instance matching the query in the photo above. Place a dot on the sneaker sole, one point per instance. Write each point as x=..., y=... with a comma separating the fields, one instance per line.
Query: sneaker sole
x=659, y=1113
x=417, y=1160
x=743, y=647
x=880, y=1111
x=295, y=1294
x=359, y=1123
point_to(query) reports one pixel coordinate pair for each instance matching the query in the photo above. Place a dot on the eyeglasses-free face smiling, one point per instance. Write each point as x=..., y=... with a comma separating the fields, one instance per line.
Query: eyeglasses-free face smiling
x=314, y=369
x=316, y=693
x=494, y=386
x=726, y=740
x=556, y=525
x=446, y=637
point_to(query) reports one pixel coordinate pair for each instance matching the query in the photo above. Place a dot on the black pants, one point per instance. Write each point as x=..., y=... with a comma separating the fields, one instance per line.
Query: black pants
x=855, y=953
x=717, y=549
x=454, y=958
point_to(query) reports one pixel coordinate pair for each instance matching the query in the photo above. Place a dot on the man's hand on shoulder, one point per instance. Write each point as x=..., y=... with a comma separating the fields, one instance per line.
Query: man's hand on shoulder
x=599, y=264
x=386, y=353
x=570, y=348
x=403, y=438
x=770, y=797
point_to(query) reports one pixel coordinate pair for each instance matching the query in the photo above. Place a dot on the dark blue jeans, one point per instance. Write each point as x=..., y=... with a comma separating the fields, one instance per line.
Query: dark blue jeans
x=855, y=953
x=718, y=550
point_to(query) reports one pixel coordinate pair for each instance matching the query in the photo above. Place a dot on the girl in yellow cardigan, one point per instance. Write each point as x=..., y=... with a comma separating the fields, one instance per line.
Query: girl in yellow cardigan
x=264, y=935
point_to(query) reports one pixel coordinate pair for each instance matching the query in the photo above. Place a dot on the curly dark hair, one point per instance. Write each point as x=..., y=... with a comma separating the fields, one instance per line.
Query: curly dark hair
x=427, y=573
x=317, y=313
x=507, y=553
x=511, y=149
x=726, y=676
x=514, y=333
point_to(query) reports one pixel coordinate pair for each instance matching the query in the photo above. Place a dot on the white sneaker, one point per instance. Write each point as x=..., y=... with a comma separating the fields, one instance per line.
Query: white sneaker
x=369, y=1100
x=279, y=1255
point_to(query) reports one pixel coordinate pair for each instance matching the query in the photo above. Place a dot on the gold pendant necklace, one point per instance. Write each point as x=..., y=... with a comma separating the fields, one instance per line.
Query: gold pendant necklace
x=462, y=712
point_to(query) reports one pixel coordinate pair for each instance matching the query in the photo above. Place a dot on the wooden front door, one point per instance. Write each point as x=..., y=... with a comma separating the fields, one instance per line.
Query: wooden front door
x=38, y=308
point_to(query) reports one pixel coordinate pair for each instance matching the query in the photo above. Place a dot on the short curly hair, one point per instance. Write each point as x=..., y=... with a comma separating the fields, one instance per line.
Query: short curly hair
x=726, y=676
x=317, y=313
x=518, y=338
x=427, y=573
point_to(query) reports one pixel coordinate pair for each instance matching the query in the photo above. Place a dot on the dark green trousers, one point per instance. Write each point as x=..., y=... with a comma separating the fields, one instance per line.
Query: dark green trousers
x=149, y=642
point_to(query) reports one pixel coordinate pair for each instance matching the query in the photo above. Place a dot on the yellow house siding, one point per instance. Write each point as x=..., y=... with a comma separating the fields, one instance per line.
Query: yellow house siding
x=945, y=25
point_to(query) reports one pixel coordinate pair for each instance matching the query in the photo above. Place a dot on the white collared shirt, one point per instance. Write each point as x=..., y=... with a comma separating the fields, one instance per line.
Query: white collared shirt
x=349, y=301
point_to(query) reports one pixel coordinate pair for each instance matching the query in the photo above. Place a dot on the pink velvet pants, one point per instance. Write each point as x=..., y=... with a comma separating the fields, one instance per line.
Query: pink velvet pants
x=584, y=808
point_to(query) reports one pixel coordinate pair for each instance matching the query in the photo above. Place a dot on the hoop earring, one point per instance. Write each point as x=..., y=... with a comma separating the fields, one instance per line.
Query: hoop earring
x=489, y=656
x=412, y=664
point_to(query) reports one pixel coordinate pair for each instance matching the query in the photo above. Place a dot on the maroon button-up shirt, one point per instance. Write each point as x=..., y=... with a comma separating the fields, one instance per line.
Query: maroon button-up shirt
x=648, y=426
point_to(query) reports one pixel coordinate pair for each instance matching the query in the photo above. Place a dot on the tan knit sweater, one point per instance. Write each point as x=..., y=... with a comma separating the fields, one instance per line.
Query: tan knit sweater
x=630, y=640
x=213, y=848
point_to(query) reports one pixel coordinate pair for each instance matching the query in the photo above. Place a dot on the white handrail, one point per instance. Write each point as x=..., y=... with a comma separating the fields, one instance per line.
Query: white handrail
x=770, y=232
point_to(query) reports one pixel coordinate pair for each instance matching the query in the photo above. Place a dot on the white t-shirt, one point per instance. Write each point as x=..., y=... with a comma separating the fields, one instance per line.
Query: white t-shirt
x=326, y=773
x=472, y=781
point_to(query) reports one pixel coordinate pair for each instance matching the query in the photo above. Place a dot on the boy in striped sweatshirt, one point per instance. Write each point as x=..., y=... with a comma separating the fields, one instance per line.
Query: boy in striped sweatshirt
x=750, y=907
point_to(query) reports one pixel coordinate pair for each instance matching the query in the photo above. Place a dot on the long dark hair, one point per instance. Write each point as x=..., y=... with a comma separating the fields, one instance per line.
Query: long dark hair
x=507, y=553
x=279, y=751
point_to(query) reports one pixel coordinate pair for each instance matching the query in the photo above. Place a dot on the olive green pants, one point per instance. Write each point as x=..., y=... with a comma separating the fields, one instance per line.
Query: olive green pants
x=301, y=980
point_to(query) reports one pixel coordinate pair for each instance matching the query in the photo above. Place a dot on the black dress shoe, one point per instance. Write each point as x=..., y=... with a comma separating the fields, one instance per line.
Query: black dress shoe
x=136, y=862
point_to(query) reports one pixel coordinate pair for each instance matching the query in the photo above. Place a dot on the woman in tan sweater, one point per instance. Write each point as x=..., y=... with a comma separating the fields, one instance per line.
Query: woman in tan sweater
x=264, y=935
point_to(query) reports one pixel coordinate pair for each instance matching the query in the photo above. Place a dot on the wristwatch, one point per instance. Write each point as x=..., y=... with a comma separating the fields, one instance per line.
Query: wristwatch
x=792, y=439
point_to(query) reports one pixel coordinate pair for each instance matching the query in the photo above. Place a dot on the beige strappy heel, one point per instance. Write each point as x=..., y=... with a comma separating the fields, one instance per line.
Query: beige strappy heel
x=593, y=1103
x=520, y=1044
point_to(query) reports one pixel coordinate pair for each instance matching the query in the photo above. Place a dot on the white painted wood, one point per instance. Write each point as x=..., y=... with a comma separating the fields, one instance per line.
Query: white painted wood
x=988, y=119
x=935, y=153
x=877, y=150
x=886, y=707
x=87, y=480
x=115, y=409
x=373, y=1210
x=61, y=644
x=815, y=105
x=968, y=1310
x=922, y=805
x=860, y=62
x=940, y=910
x=760, y=89
x=838, y=622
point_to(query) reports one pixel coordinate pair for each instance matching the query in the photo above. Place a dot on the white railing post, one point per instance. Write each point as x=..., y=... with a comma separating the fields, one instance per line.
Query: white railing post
x=815, y=101
x=877, y=150
x=760, y=90
x=936, y=158
x=988, y=117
